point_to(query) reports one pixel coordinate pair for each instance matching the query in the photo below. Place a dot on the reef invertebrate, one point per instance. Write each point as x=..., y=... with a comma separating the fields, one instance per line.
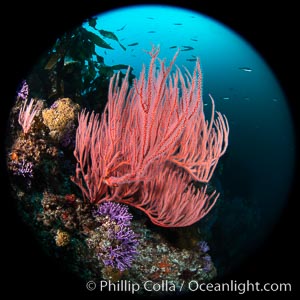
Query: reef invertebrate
x=27, y=114
x=157, y=126
x=114, y=241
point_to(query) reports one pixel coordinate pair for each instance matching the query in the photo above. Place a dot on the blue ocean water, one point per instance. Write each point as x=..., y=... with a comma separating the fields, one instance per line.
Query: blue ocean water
x=258, y=166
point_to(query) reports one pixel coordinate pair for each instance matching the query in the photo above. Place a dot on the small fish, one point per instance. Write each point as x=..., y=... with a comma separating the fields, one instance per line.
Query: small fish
x=150, y=18
x=133, y=44
x=151, y=31
x=205, y=104
x=245, y=69
x=275, y=100
x=226, y=98
x=122, y=47
x=187, y=48
x=119, y=67
x=172, y=47
x=194, y=40
x=122, y=28
x=177, y=24
x=191, y=59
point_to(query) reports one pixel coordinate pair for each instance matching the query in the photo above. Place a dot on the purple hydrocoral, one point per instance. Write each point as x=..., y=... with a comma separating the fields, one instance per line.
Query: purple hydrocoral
x=207, y=261
x=121, y=256
x=207, y=266
x=203, y=246
x=24, y=91
x=116, y=212
x=119, y=244
x=24, y=169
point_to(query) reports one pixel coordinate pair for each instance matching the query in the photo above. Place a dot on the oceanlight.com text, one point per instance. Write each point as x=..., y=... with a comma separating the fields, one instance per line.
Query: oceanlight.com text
x=191, y=286
x=239, y=287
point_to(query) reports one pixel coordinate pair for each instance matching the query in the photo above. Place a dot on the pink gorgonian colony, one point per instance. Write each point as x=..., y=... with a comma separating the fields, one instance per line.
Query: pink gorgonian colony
x=27, y=114
x=151, y=144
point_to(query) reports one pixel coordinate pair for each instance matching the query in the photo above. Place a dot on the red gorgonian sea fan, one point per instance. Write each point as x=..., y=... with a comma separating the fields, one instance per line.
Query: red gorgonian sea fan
x=151, y=142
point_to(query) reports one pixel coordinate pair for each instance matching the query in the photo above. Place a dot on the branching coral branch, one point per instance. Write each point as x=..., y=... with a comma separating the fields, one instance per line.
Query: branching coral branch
x=202, y=144
x=27, y=114
x=158, y=122
x=171, y=200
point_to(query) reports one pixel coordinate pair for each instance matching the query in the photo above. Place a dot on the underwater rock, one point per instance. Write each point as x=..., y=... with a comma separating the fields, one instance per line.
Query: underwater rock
x=30, y=149
x=60, y=119
x=157, y=258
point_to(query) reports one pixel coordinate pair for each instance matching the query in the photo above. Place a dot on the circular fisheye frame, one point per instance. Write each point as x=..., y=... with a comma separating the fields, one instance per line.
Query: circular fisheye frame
x=142, y=147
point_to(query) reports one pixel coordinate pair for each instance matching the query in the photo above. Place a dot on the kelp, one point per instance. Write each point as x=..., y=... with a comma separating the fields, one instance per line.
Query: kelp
x=73, y=68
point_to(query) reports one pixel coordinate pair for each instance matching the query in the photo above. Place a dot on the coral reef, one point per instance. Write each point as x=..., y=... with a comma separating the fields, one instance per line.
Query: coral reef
x=108, y=240
x=93, y=230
